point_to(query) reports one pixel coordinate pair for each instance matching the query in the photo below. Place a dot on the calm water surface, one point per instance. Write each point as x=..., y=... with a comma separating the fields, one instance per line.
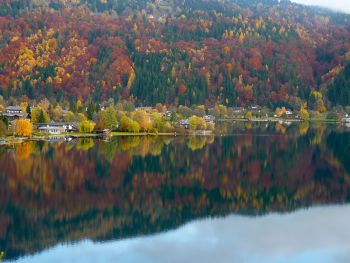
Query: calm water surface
x=252, y=193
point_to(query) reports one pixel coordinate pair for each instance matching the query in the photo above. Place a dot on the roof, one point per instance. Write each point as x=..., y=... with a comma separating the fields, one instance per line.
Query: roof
x=57, y=124
x=23, y=115
x=51, y=128
x=14, y=108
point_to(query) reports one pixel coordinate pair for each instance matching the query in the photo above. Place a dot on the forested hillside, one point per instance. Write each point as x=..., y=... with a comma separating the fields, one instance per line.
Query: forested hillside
x=185, y=52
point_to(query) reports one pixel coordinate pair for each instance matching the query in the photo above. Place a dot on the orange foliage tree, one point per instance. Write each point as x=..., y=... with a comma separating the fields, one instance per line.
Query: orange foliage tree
x=23, y=128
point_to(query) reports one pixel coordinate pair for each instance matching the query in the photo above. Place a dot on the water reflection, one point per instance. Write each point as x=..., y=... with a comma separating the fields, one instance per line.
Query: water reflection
x=131, y=186
x=316, y=235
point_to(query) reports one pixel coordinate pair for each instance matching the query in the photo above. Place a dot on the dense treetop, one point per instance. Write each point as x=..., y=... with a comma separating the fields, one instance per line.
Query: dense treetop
x=273, y=53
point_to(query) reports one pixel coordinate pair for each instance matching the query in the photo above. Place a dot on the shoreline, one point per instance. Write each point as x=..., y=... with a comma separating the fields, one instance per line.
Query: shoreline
x=278, y=120
x=10, y=139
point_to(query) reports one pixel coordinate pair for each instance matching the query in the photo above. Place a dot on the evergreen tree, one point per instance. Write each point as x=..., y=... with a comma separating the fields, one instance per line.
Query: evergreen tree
x=59, y=95
x=28, y=110
x=90, y=111
x=41, y=117
x=339, y=90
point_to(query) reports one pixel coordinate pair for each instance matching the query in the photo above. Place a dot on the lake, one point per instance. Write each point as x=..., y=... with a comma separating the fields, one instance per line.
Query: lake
x=250, y=193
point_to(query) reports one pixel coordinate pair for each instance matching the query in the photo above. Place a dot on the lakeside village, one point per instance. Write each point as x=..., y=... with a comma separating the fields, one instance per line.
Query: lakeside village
x=106, y=119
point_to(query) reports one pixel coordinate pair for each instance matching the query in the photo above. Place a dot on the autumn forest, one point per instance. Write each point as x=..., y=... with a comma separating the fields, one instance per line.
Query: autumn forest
x=175, y=52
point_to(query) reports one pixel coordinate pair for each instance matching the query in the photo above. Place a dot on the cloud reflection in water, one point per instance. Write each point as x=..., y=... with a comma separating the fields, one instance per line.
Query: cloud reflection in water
x=320, y=234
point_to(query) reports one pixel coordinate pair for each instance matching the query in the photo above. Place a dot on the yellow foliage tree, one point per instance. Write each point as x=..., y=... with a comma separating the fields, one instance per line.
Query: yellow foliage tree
x=39, y=115
x=280, y=111
x=125, y=123
x=128, y=125
x=248, y=115
x=227, y=50
x=23, y=128
x=143, y=120
x=316, y=101
x=304, y=114
x=131, y=78
x=197, y=123
x=86, y=126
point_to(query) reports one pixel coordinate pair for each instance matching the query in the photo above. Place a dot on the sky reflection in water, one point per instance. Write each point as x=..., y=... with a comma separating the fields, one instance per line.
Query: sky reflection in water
x=54, y=193
x=319, y=234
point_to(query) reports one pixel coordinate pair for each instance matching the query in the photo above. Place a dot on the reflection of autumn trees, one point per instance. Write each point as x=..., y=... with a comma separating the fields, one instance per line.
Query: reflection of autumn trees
x=24, y=150
x=137, y=185
x=196, y=142
x=85, y=144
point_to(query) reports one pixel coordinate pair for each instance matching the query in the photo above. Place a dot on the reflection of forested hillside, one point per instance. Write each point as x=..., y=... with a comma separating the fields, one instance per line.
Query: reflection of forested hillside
x=231, y=52
x=138, y=185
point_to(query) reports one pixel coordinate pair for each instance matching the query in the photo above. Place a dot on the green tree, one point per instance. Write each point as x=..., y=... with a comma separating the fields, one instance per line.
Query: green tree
x=28, y=110
x=108, y=119
x=125, y=123
x=158, y=122
x=90, y=111
x=134, y=127
x=38, y=115
x=86, y=126
x=339, y=91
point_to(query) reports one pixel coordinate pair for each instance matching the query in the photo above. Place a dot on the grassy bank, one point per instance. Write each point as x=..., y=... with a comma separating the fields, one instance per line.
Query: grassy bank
x=279, y=119
x=143, y=134
x=325, y=120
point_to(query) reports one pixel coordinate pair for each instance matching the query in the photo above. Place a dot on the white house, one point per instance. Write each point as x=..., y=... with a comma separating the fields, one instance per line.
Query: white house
x=57, y=127
x=289, y=112
x=52, y=129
